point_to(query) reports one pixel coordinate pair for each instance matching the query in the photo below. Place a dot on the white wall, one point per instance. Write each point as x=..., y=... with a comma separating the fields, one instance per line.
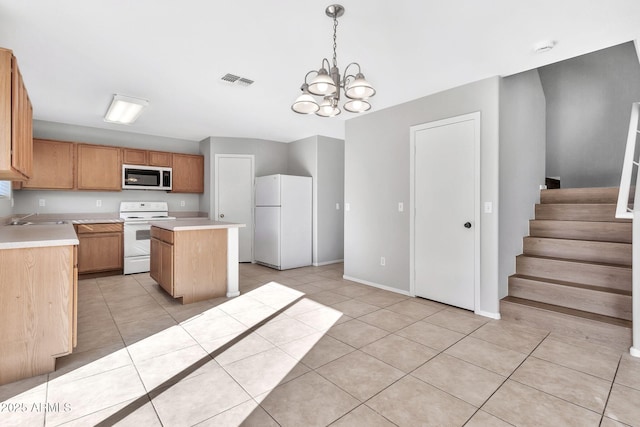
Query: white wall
x=522, y=163
x=588, y=107
x=377, y=178
x=26, y=201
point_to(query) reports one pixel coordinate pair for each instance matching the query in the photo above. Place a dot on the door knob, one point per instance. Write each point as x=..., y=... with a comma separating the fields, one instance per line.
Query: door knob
x=467, y=225
x=221, y=215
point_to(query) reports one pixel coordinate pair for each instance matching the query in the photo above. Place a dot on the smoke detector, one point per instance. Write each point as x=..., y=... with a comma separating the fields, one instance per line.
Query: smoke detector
x=232, y=79
x=544, y=46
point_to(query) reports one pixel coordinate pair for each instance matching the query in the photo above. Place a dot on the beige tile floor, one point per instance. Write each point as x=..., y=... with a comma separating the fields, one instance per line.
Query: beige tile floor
x=306, y=348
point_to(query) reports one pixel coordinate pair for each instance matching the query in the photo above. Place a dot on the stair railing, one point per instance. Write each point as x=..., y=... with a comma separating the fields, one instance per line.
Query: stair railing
x=626, y=208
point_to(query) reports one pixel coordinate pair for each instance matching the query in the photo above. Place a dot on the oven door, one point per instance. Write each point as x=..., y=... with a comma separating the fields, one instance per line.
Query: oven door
x=137, y=238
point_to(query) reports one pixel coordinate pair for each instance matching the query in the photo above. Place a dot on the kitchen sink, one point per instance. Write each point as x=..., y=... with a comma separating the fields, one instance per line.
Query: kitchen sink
x=38, y=223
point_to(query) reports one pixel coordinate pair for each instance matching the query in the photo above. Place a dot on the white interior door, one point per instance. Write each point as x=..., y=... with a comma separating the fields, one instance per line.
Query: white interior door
x=446, y=213
x=234, y=197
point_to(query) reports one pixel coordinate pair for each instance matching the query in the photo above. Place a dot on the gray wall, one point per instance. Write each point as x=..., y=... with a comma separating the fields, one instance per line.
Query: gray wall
x=330, y=191
x=26, y=201
x=522, y=163
x=588, y=107
x=323, y=159
x=303, y=161
x=377, y=178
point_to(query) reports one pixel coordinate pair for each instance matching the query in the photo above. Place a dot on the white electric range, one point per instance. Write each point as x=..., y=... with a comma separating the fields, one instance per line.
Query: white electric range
x=137, y=232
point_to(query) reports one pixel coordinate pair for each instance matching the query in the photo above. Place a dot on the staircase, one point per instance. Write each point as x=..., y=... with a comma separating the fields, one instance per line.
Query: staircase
x=574, y=277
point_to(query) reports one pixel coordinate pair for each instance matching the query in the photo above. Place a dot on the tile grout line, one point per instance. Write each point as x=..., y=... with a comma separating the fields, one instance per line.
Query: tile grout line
x=604, y=409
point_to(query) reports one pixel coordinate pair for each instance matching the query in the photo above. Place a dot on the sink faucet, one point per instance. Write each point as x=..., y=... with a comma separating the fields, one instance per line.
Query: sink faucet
x=24, y=217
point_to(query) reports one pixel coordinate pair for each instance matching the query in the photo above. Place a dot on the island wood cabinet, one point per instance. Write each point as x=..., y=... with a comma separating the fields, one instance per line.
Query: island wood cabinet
x=38, y=309
x=190, y=264
x=100, y=247
x=99, y=167
x=53, y=165
x=16, y=119
x=188, y=173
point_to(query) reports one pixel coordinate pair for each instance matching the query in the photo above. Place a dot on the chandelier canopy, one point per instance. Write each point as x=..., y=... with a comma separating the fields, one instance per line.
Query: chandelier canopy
x=328, y=84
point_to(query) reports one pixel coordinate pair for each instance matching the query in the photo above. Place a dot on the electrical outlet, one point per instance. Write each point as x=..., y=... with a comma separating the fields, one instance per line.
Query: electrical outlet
x=98, y=203
x=41, y=202
x=400, y=207
x=347, y=207
x=182, y=203
x=488, y=207
x=382, y=261
x=337, y=206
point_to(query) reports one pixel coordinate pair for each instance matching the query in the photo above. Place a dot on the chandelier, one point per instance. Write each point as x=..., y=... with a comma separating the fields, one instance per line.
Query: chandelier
x=328, y=85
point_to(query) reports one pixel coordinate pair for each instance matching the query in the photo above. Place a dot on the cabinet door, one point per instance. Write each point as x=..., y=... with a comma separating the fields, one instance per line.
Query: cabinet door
x=100, y=252
x=132, y=156
x=16, y=120
x=22, y=124
x=155, y=261
x=99, y=168
x=52, y=165
x=160, y=158
x=188, y=173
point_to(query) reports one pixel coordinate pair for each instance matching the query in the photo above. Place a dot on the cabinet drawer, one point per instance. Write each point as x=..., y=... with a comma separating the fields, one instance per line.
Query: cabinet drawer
x=162, y=234
x=99, y=228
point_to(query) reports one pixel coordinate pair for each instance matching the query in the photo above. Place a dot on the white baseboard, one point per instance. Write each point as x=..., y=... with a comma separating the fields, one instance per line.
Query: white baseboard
x=377, y=285
x=320, y=264
x=634, y=351
x=488, y=314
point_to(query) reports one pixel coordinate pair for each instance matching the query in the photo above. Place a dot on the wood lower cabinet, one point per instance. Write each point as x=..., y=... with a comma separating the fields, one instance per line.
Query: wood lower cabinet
x=99, y=168
x=100, y=247
x=16, y=119
x=190, y=264
x=53, y=165
x=38, y=309
x=188, y=173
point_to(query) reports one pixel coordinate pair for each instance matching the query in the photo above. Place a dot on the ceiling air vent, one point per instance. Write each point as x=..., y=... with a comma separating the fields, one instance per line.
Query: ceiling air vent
x=236, y=80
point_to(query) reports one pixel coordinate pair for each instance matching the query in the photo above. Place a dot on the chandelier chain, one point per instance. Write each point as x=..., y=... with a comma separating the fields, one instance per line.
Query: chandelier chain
x=335, y=43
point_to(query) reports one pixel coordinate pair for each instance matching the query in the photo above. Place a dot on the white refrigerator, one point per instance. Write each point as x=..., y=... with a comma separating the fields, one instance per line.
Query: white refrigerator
x=283, y=221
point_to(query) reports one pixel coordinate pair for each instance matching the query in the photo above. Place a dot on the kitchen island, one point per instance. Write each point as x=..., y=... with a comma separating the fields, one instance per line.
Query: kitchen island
x=195, y=259
x=38, y=298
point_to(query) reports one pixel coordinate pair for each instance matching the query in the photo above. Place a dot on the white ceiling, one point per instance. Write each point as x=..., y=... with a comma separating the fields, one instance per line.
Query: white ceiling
x=75, y=54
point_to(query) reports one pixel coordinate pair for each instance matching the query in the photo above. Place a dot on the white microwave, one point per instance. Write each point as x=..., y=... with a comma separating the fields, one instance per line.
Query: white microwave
x=135, y=177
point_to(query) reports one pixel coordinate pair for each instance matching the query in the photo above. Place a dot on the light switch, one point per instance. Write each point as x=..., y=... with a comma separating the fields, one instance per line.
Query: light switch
x=488, y=207
x=347, y=207
x=337, y=206
x=400, y=207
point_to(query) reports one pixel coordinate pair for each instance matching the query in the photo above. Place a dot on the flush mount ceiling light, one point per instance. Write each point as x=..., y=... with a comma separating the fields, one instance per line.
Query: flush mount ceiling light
x=328, y=84
x=125, y=109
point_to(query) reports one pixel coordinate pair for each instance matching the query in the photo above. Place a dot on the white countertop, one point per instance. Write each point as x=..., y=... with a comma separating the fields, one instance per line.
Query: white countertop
x=35, y=235
x=194, y=224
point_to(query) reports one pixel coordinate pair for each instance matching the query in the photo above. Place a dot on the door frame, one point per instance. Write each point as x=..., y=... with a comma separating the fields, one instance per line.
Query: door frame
x=251, y=157
x=476, y=217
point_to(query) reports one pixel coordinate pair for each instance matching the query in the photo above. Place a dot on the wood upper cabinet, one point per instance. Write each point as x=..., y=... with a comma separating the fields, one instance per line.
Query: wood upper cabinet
x=188, y=173
x=131, y=156
x=16, y=118
x=99, y=168
x=160, y=158
x=53, y=165
x=100, y=247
